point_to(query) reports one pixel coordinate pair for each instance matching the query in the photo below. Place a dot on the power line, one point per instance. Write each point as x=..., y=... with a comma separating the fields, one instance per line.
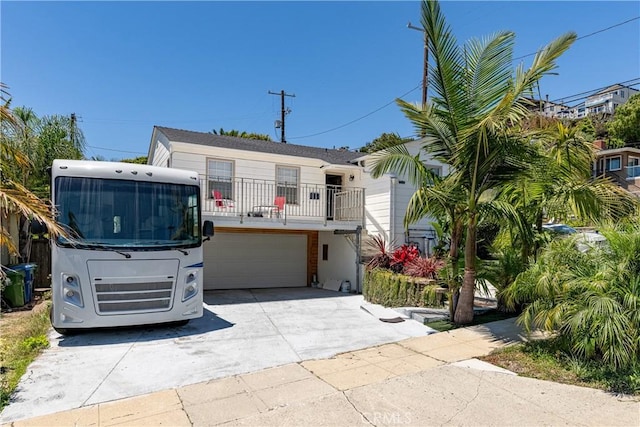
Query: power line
x=579, y=96
x=404, y=94
x=119, y=151
x=515, y=59
x=359, y=118
x=587, y=35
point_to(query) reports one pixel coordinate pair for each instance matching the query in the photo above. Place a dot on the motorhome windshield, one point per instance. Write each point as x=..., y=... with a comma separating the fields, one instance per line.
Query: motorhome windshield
x=135, y=215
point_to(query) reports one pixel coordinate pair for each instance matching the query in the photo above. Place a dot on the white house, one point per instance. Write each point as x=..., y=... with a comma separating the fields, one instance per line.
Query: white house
x=386, y=200
x=286, y=214
x=607, y=100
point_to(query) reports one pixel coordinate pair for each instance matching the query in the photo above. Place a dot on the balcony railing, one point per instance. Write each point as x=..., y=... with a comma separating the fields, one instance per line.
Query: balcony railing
x=599, y=100
x=255, y=200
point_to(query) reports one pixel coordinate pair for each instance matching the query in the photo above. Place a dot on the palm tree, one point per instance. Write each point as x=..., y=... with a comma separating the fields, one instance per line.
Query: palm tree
x=14, y=196
x=561, y=184
x=590, y=299
x=470, y=125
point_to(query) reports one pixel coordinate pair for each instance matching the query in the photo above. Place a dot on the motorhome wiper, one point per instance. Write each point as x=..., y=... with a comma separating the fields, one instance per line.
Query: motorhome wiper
x=181, y=250
x=124, y=254
x=98, y=247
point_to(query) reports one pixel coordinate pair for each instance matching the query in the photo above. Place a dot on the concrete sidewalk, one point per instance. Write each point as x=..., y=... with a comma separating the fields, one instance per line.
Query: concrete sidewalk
x=430, y=380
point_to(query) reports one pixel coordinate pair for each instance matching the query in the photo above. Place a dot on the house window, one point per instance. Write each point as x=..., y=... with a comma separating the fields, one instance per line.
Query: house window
x=220, y=178
x=622, y=93
x=436, y=170
x=287, y=182
x=613, y=164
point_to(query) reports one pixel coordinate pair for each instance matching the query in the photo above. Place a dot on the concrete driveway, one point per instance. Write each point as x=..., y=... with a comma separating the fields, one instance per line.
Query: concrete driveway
x=240, y=332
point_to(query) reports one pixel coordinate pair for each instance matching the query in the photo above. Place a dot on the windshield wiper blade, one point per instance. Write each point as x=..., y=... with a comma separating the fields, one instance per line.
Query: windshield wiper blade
x=124, y=254
x=98, y=247
x=181, y=250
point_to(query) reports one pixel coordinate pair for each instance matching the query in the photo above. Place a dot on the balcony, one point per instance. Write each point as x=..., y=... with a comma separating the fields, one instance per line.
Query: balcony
x=255, y=202
x=601, y=99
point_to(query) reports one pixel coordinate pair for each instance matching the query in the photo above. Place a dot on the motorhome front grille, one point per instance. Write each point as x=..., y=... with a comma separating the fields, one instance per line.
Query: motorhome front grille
x=127, y=297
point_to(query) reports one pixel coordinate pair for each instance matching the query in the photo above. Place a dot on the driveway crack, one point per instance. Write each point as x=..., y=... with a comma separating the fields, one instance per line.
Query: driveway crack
x=276, y=327
x=469, y=402
x=363, y=416
x=115, y=365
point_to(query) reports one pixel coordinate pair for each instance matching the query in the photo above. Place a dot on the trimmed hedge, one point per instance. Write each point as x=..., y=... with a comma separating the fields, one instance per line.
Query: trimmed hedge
x=390, y=289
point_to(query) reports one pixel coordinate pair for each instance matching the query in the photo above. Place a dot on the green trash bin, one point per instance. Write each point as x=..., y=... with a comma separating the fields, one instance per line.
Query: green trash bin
x=14, y=290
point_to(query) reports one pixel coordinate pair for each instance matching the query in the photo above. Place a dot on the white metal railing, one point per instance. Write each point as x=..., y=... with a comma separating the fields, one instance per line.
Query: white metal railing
x=247, y=198
x=599, y=100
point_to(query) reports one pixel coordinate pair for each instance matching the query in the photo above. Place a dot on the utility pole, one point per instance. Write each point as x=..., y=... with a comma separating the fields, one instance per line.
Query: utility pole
x=425, y=68
x=73, y=129
x=284, y=112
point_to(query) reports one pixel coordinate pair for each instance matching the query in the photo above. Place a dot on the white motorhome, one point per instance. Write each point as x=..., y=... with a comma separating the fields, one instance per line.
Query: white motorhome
x=133, y=254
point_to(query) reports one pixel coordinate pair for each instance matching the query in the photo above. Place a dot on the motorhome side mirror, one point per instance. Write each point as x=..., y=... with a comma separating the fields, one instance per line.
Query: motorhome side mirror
x=207, y=229
x=38, y=228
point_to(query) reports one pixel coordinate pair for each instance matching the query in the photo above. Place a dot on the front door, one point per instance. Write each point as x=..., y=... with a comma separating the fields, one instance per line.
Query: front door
x=334, y=185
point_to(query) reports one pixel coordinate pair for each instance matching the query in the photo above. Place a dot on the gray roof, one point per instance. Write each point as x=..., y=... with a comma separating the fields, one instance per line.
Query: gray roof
x=223, y=141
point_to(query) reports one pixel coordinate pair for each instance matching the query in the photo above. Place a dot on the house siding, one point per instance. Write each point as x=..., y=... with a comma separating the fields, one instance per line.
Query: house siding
x=250, y=165
x=386, y=202
x=161, y=152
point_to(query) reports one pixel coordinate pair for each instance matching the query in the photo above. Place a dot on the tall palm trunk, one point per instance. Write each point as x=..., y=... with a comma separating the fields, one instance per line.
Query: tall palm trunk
x=464, y=310
x=454, y=255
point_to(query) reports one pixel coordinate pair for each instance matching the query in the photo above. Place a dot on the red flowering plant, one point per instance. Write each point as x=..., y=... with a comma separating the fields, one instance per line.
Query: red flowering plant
x=424, y=267
x=402, y=256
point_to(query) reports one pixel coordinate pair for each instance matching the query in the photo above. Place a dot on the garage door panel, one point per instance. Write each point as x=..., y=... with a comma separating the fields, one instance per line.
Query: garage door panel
x=239, y=260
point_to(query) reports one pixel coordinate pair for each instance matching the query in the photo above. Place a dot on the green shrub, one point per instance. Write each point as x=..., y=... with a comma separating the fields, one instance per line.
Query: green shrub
x=589, y=299
x=396, y=290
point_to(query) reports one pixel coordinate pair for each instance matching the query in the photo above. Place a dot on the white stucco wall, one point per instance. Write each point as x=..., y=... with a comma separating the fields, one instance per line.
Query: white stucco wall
x=341, y=262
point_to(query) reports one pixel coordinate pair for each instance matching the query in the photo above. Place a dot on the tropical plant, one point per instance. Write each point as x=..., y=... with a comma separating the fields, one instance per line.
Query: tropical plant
x=14, y=164
x=243, y=134
x=381, y=258
x=41, y=139
x=502, y=271
x=142, y=160
x=424, y=267
x=402, y=256
x=470, y=124
x=560, y=185
x=385, y=140
x=625, y=126
x=589, y=299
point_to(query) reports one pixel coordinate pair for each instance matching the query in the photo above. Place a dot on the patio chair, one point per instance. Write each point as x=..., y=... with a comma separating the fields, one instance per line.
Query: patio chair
x=271, y=210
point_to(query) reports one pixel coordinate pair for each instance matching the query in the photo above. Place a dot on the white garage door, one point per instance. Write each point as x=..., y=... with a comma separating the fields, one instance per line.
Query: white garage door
x=240, y=261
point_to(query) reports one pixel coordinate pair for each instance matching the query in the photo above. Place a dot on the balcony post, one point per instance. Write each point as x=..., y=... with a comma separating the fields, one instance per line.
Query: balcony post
x=241, y=198
x=364, y=209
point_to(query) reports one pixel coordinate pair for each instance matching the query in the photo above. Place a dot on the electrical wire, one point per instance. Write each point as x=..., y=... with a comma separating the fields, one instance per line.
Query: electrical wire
x=515, y=59
x=359, y=118
x=587, y=35
x=579, y=96
x=119, y=151
x=417, y=87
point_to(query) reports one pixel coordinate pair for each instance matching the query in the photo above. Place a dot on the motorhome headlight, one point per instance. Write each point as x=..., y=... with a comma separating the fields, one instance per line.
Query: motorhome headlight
x=71, y=292
x=191, y=286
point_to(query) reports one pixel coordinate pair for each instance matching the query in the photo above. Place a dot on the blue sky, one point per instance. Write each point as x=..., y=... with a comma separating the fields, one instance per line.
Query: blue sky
x=124, y=67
